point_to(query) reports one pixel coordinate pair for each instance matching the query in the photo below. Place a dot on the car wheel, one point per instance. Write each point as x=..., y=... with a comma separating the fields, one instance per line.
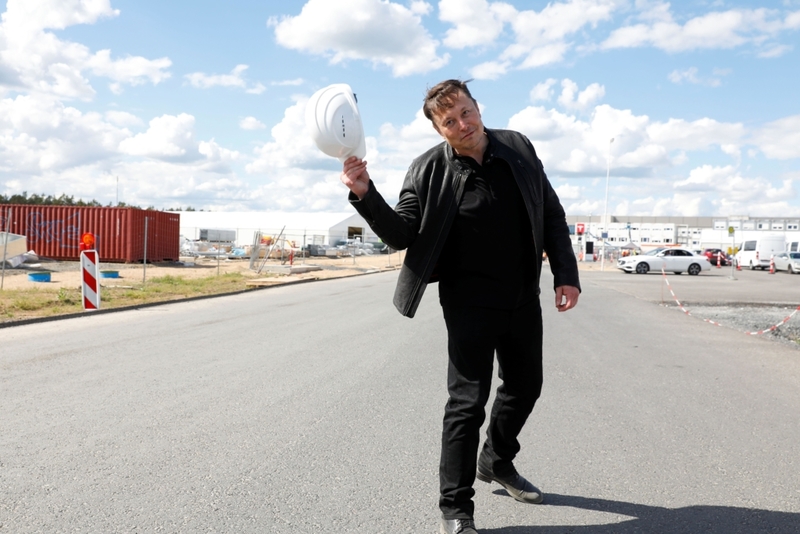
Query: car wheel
x=642, y=268
x=694, y=269
x=790, y=270
x=751, y=266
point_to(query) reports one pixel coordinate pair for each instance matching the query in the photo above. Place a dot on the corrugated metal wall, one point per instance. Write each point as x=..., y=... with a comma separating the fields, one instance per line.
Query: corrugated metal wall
x=54, y=231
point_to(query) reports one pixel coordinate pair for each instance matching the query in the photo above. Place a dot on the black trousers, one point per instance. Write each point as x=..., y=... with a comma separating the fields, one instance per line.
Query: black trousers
x=474, y=336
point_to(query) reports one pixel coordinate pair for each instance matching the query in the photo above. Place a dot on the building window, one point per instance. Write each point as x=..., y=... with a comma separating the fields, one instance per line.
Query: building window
x=791, y=227
x=667, y=240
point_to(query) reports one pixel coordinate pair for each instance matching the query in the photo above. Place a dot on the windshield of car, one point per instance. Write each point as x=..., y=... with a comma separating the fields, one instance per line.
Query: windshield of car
x=794, y=255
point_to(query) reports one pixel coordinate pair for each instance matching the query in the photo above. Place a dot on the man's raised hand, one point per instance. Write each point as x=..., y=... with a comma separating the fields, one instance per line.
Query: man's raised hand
x=355, y=176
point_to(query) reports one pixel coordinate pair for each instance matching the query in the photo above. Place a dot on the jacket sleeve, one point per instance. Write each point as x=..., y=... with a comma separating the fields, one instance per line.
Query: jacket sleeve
x=557, y=242
x=396, y=227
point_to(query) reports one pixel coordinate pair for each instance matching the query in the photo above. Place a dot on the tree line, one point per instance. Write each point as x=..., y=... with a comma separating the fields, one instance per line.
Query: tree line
x=69, y=200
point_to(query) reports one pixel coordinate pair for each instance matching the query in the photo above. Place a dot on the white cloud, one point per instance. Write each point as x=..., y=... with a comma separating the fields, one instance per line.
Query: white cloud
x=400, y=145
x=690, y=75
x=130, y=70
x=202, y=184
x=169, y=137
x=234, y=79
x=539, y=38
x=381, y=32
x=122, y=118
x=218, y=159
x=476, y=22
x=291, y=146
x=568, y=192
x=572, y=98
x=29, y=16
x=490, y=70
x=251, y=123
x=296, y=81
x=780, y=139
x=40, y=134
x=37, y=61
x=715, y=30
x=730, y=192
x=679, y=134
x=569, y=146
x=543, y=91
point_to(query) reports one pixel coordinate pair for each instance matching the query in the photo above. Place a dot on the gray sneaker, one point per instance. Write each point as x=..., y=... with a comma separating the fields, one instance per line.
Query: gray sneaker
x=458, y=526
x=515, y=484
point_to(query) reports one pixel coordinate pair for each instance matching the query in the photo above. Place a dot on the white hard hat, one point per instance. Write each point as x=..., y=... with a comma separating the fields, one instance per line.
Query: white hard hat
x=334, y=123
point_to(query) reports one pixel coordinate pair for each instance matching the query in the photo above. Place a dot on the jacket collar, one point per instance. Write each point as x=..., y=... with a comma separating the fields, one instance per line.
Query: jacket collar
x=454, y=158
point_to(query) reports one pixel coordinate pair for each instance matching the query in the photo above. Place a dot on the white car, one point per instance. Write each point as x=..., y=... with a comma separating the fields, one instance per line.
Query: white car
x=788, y=261
x=676, y=260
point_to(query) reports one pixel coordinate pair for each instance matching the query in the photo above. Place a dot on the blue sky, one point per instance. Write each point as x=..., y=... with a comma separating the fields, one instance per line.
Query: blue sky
x=201, y=103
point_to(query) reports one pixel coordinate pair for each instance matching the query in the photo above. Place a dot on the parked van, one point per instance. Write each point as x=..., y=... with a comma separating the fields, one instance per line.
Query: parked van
x=756, y=253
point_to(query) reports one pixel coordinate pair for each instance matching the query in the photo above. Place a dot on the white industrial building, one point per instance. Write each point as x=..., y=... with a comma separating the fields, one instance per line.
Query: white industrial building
x=300, y=228
x=695, y=233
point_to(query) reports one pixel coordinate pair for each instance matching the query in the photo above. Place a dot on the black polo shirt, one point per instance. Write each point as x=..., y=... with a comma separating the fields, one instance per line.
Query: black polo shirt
x=488, y=257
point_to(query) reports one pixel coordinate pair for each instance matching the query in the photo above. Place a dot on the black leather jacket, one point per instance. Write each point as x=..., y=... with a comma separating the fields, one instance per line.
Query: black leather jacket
x=429, y=202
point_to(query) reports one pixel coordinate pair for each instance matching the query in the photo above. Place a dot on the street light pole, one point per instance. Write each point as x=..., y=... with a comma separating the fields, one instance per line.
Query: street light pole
x=605, y=210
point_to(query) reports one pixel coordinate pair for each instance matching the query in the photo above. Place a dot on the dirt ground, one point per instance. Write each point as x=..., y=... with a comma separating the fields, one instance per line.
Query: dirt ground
x=67, y=274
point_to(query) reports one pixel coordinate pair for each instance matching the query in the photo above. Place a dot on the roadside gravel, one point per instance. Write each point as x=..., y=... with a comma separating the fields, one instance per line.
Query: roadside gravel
x=752, y=319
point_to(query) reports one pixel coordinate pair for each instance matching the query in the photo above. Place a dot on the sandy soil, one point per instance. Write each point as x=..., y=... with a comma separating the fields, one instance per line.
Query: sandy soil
x=67, y=274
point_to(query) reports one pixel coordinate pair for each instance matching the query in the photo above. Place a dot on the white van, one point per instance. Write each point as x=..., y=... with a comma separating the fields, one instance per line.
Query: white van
x=756, y=253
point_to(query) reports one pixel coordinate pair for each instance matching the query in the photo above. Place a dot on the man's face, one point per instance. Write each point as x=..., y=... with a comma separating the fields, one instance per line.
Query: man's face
x=461, y=125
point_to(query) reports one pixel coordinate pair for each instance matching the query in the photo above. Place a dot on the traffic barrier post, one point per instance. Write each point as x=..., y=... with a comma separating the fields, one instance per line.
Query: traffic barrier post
x=90, y=288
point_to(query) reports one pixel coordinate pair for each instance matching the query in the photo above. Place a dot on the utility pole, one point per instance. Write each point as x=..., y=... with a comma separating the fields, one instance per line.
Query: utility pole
x=605, y=210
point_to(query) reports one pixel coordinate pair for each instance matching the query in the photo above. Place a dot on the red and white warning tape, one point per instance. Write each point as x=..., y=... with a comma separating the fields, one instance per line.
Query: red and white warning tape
x=771, y=328
x=684, y=310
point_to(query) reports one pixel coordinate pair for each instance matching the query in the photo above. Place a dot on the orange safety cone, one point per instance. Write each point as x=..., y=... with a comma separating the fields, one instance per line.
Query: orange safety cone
x=772, y=264
x=738, y=266
x=719, y=261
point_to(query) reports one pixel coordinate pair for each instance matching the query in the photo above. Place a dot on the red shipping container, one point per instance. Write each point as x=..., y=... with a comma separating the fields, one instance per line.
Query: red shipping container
x=55, y=231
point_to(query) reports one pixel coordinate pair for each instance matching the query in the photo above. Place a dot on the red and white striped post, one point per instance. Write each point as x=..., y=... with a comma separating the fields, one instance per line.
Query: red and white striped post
x=90, y=288
x=90, y=268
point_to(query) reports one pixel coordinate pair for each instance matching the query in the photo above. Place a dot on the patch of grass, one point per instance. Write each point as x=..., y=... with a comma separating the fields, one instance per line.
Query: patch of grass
x=45, y=302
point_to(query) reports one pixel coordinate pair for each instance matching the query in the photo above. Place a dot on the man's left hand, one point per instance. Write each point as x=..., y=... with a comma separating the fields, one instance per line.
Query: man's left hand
x=566, y=297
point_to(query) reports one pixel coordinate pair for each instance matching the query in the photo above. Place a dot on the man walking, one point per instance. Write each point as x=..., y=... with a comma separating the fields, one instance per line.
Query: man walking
x=476, y=186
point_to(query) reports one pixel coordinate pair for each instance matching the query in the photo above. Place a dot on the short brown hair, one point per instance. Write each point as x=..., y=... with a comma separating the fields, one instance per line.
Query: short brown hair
x=441, y=96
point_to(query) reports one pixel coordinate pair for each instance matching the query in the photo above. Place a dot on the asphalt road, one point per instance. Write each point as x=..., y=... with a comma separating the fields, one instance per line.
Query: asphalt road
x=317, y=408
